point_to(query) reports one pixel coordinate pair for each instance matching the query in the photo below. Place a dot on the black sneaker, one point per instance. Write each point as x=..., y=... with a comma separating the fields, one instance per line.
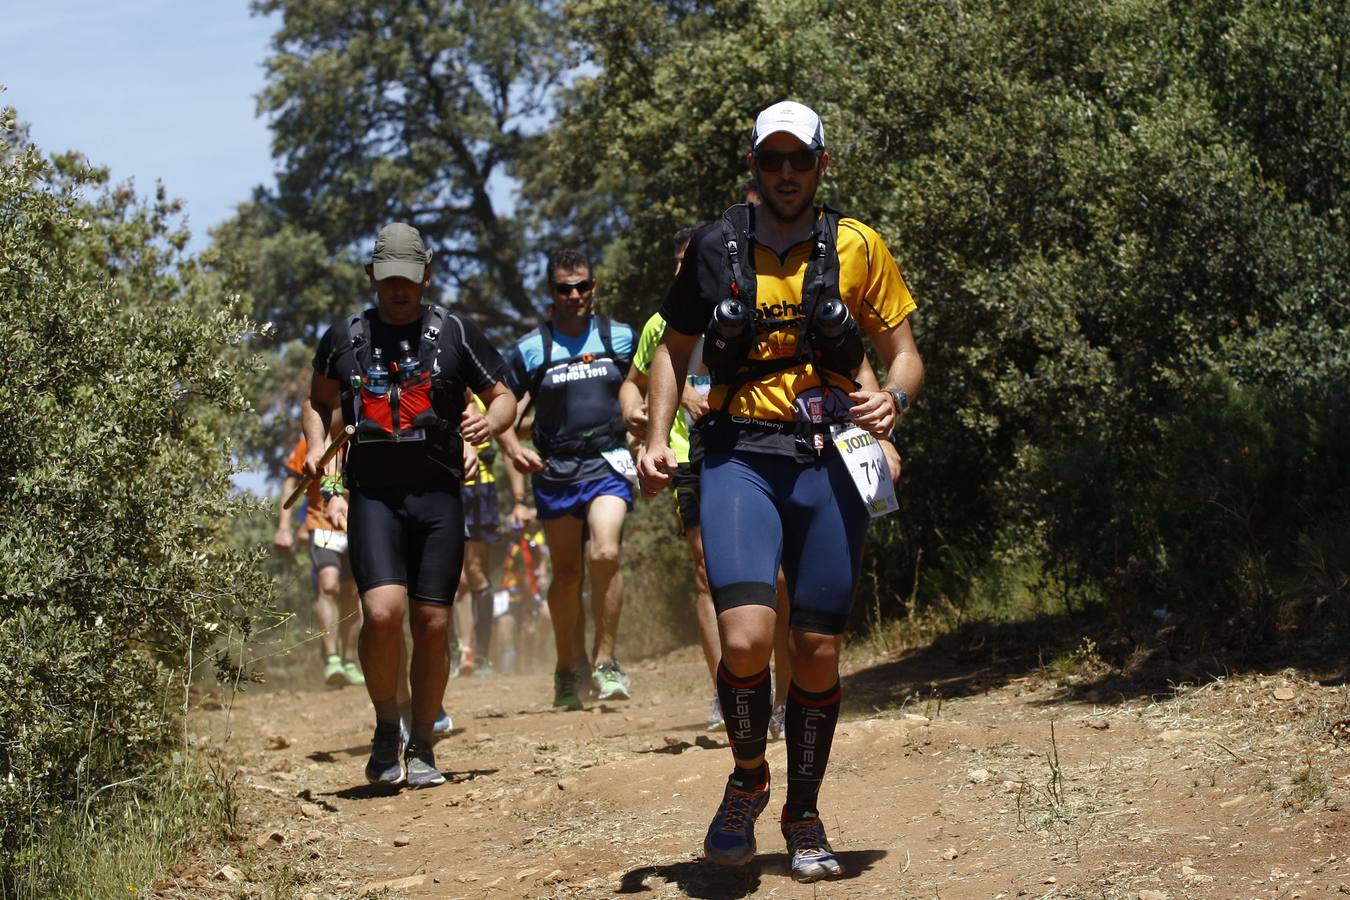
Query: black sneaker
x=386, y=755
x=421, y=762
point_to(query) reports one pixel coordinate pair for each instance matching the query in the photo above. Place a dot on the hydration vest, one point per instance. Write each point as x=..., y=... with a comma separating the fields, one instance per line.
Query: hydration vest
x=591, y=441
x=819, y=284
x=407, y=412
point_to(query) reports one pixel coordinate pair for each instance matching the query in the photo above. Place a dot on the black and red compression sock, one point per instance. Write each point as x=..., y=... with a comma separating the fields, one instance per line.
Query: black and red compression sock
x=482, y=623
x=747, y=704
x=809, y=732
x=750, y=780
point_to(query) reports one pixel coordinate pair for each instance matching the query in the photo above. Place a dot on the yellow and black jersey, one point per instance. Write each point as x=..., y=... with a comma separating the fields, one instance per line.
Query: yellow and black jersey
x=870, y=285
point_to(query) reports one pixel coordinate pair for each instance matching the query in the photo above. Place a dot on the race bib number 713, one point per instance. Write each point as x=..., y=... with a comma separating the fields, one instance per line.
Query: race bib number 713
x=867, y=467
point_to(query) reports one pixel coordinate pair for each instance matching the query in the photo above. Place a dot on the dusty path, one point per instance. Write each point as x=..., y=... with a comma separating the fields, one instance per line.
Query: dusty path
x=1236, y=789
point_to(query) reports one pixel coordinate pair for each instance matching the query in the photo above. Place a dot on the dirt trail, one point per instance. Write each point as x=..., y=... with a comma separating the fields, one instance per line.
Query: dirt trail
x=1236, y=789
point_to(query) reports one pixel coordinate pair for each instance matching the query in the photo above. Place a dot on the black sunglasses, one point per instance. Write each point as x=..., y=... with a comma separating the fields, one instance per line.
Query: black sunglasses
x=801, y=160
x=565, y=288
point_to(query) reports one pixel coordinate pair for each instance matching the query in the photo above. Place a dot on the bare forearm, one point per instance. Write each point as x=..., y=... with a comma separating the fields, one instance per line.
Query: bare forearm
x=906, y=373
x=501, y=413
x=514, y=475
x=630, y=398
x=663, y=395
x=316, y=418
x=284, y=515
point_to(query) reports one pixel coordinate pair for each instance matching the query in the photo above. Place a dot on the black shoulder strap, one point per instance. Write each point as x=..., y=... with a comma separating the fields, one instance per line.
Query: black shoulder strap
x=537, y=379
x=736, y=225
x=821, y=280
x=433, y=325
x=358, y=341
x=603, y=325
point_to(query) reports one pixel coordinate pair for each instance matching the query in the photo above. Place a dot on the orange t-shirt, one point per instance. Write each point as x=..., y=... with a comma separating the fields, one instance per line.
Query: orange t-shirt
x=315, y=517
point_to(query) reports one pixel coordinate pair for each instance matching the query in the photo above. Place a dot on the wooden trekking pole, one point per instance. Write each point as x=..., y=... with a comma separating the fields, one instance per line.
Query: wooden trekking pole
x=328, y=454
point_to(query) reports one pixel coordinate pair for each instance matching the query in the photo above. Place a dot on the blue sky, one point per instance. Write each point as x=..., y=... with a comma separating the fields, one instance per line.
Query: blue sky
x=153, y=89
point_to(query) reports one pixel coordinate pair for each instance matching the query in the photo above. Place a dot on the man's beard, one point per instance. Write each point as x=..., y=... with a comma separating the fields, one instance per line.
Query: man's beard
x=800, y=205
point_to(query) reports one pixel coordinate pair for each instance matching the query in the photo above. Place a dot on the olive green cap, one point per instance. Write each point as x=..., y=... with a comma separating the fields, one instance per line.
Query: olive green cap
x=400, y=253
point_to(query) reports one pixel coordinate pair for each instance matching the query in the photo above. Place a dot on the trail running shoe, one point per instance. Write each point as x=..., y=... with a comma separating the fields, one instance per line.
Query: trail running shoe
x=715, y=719
x=731, y=836
x=610, y=682
x=444, y=724
x=465, y=663
x=811, y=856
x=420, y=760
x=778, y=723
x=565, y=691
x=484, y=669
x=333, y=673
x=386, y=755
x=353, y=672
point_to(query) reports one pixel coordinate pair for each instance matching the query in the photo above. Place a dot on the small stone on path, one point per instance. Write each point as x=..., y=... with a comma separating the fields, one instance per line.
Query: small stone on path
x=1284, y=692
x=402, y=840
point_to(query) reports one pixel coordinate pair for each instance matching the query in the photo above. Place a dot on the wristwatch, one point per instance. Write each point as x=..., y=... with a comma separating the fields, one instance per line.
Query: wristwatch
x=901, y=400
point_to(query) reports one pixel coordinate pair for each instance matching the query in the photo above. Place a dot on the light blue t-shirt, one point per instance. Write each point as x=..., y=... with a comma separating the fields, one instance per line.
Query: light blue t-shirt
x=577, y=407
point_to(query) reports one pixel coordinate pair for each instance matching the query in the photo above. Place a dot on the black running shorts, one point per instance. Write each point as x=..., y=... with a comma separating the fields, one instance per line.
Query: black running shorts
x=413, y=539
x=685, y=485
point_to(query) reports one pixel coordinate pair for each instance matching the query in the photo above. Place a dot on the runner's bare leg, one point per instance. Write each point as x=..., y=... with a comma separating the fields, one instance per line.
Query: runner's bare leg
x=605, y=517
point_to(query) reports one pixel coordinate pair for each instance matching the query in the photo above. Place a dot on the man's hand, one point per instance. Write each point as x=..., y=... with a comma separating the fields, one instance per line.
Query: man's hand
x=284, y=539
x=873, y=411
x=693, y=402
x=636, y=420
x=526, y=460
x=892, y=459
x=654, y=469
x=337, y=511
x=474, y=426
x=312, y=467
x=522, y=514
x=472, y=464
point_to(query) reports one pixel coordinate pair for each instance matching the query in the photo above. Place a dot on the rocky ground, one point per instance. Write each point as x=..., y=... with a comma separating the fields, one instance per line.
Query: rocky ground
x=949, y=779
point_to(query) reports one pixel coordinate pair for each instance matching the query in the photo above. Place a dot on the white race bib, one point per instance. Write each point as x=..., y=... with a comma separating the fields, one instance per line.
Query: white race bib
x=622, y=462
x=702, y=384
x=867, y=467
x=329, y=540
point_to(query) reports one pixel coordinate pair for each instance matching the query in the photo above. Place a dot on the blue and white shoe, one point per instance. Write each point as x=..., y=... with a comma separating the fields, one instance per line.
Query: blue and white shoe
x=811, y=856
x=444, y=725
x=386, y=755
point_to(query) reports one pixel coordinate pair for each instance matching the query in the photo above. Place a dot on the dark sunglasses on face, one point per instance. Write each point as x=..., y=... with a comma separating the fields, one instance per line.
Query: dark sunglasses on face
x=565, y=289
x=801, y=160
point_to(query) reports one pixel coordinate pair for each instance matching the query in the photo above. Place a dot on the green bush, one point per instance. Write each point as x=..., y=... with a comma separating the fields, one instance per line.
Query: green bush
x=1123, y=223
x=119, y=389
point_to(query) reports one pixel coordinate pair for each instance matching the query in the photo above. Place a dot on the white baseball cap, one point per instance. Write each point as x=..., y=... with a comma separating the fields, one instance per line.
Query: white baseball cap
x=796, y=119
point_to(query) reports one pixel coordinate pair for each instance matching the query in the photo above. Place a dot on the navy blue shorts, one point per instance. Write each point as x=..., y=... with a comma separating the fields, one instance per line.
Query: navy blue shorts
x=553, y=501
x=773, y=510
x=482, y=518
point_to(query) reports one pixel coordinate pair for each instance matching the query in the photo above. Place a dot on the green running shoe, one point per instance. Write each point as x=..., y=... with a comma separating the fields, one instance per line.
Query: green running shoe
x=333, y=673
x=565, y=691
x=353, y=672
x=610, y=682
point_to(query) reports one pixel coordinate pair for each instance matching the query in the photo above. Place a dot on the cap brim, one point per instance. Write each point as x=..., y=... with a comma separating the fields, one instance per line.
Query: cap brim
x=396, y=268
x=805, y=137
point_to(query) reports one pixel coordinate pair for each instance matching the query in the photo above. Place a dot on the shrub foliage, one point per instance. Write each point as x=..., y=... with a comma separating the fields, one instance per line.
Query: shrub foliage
x=1124, y=225
x=118, y=395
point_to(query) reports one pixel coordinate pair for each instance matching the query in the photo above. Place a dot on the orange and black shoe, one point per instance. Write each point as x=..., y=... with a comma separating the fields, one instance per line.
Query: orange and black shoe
x=731, y=836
